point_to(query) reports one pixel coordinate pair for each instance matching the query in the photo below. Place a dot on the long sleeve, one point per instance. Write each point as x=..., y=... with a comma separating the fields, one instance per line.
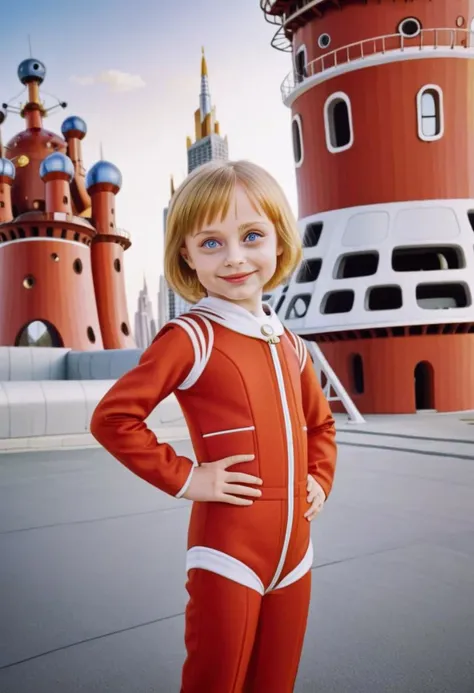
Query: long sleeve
x=322, y=449
x=118, y=420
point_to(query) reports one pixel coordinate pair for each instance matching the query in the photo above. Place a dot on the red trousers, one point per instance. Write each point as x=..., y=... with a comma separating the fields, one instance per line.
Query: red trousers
x=239, y=641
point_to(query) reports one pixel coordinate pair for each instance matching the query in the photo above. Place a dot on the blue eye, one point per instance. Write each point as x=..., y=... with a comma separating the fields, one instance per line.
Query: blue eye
x=209, y=240
x=255, y=236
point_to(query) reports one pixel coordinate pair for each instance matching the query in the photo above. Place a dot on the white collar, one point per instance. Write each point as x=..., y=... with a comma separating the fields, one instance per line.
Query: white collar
x=239, y=319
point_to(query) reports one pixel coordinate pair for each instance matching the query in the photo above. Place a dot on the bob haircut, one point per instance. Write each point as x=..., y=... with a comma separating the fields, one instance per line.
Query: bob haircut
x=205, y=194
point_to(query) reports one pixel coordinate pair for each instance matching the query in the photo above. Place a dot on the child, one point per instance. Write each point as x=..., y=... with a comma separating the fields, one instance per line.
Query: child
x=261, y=430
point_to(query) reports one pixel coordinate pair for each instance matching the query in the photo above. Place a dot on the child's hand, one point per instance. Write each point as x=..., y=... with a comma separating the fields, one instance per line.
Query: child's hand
x=212, y=482
x=316, y=497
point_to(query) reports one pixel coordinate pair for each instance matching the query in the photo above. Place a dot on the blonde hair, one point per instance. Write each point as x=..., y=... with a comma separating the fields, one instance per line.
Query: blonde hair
x=205, y=194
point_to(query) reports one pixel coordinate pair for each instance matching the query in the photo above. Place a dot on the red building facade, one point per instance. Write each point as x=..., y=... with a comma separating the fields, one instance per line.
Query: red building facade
x=381, y=101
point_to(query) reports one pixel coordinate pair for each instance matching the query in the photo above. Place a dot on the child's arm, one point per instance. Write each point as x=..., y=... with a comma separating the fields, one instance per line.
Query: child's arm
x=322, y=449
x=118, y=420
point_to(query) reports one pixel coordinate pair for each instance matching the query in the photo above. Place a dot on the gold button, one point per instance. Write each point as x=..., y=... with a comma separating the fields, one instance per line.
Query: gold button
x=267, y=330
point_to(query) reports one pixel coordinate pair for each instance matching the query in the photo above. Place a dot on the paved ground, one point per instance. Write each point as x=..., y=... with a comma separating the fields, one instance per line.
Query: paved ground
x=92, y=571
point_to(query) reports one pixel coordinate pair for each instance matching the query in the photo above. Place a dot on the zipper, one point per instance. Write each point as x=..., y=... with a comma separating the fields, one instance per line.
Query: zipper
x=291, y=460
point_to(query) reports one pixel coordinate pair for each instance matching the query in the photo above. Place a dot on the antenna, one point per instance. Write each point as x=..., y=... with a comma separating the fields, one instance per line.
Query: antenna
x=29, y=44
x=101, y=152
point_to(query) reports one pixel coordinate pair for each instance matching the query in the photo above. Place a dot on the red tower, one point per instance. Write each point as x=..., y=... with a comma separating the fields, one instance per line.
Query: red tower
x=380, y=93
x=61, y=255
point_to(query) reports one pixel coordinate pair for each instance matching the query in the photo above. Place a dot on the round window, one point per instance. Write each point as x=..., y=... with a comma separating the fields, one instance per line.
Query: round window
x=409, y=27
x=91, y=335
x=124, y=328
x=324, y=40
x=29, y=281
x=77, y=266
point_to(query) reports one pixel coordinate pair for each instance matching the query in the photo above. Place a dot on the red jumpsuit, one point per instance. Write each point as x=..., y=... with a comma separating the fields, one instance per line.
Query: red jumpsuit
x=245, y=386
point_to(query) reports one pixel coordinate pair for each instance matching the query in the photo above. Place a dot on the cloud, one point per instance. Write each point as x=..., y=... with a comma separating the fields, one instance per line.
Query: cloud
x=115, y=79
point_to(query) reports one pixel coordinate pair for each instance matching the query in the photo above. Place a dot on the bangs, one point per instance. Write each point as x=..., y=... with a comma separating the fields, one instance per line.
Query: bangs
x=210, y=199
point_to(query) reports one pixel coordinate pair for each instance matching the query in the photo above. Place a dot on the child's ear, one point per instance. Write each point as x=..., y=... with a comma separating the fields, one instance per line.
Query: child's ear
x=185, y=255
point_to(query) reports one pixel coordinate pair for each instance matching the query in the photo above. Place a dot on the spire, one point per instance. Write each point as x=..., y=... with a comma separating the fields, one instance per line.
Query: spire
x=205, y=95
x=203, y=64
x=145, y=287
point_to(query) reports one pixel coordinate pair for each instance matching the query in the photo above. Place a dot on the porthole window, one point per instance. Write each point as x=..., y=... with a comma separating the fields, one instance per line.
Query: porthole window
x=91, y=335
x=430, y=113
x=338, y=122
x=54, y=257
x=117, y=265
x=324, y=40
x=409, y=27
x=297, y=136
x=29, y=281
x=124, y=328
x=298, y=307
x=312, y=234
x=77, y=266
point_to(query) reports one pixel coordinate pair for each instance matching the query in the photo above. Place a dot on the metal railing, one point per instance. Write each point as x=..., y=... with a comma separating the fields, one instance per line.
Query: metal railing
x=379, y=45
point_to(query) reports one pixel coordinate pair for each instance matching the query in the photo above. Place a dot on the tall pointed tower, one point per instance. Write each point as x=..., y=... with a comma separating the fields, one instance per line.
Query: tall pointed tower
x=381, y=99
x=209, y=143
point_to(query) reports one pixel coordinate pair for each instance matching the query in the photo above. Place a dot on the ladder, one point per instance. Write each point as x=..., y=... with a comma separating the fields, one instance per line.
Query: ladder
x=333, y=389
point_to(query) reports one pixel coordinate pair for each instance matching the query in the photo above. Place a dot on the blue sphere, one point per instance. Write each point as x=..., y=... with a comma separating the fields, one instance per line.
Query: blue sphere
x=74, y=123
x=57, y=162
x=7, y=169
x=103, y=172
x=31, y=70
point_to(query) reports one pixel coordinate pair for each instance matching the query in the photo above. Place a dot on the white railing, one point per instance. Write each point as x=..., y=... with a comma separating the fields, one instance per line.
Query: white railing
x=427, y=38
x=121, y=232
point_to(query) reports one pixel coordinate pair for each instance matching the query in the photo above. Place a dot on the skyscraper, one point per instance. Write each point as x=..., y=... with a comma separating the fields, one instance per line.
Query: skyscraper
x=145, y=323
x=208, y=146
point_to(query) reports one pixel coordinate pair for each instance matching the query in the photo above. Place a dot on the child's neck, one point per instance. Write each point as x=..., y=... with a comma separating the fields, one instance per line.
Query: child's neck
x=253, y=305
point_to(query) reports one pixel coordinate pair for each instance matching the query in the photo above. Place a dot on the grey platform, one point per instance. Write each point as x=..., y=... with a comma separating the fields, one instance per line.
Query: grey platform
x=92, y=571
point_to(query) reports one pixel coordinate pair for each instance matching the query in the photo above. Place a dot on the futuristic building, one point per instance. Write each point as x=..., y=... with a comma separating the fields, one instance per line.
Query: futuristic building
x=61, y=253
x=208, y=145
x=145, y=323
x=381, y=101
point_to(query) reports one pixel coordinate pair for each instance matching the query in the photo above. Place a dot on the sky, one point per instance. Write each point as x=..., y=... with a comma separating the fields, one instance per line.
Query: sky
x=132, y=71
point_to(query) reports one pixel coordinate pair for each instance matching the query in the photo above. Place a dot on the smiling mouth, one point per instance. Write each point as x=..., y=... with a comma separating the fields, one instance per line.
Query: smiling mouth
x=234, y=278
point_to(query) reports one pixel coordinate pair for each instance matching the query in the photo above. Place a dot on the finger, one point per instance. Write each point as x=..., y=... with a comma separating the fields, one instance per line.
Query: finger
x=235, y=459
x=312, y=495
x=313, y=510
x=242, y=478
x=242, y=490
x=309, y=484
x=235, y=500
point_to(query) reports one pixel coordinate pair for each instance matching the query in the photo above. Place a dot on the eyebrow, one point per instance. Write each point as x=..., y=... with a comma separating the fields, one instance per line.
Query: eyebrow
x=241, y=228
